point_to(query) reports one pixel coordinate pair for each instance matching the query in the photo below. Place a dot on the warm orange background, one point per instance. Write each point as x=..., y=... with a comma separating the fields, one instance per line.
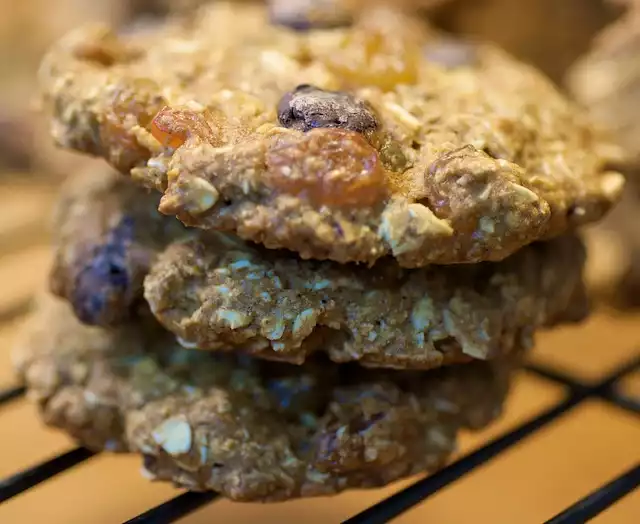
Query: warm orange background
x=531, y=482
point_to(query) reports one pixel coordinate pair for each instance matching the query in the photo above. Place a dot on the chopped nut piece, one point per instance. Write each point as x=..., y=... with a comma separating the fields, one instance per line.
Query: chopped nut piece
x=190, y=194
x=173, y=435
x=407, y=227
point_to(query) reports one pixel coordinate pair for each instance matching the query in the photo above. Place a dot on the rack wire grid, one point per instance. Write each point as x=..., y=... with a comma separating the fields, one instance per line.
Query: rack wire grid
x=575, y=392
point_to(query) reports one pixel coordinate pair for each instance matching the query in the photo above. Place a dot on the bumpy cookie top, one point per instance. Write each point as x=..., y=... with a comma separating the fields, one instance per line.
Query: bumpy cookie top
x=348, y=139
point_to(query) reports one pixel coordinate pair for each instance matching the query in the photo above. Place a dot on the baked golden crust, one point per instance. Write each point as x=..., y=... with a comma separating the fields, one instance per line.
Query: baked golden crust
x=479, y=155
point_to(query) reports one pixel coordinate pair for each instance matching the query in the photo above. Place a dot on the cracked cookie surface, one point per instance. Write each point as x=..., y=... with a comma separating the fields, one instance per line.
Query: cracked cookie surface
x=374, y=137
x=249, y=429
x=219, y=293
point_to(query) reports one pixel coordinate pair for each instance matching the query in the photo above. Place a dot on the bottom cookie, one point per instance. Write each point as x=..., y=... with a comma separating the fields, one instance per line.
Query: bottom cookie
x=250, y=429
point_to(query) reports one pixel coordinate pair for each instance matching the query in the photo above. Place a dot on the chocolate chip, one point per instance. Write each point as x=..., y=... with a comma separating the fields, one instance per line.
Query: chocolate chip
x=309, y=107
x=302, y=15
x=451, y=53
x=102, y=285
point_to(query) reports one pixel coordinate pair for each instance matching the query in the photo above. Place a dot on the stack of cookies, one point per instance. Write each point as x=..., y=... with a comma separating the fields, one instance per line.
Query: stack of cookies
x=373, y=220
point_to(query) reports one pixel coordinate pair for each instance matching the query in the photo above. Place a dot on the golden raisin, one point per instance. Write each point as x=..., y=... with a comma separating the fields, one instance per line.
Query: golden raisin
x=372, y=54
x=132, y=104
x=333, y=167
x=172, y=127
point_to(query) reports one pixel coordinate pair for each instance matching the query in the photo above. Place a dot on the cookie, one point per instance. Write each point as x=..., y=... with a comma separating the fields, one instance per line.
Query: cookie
x=107, y=232
x=249, y=429
x=373, y=138
x=221, y=294
x=606, y=81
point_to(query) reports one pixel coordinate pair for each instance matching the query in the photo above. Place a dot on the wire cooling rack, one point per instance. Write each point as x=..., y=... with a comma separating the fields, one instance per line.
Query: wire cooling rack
x=386, y=510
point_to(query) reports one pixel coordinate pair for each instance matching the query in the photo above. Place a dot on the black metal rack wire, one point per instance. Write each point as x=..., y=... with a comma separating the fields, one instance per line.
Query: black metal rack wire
x=391, y=507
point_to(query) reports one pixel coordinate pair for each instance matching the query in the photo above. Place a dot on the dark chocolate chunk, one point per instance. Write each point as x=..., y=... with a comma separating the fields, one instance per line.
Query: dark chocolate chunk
x=104, y=280
x=308, y=107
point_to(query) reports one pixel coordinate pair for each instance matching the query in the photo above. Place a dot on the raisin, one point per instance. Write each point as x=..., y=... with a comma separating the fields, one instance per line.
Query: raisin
x=302, y=15
x=172, y=127
x=132, y=104
x=333, y=167
x=102, y=287
x=377, y=57
x=309, y=107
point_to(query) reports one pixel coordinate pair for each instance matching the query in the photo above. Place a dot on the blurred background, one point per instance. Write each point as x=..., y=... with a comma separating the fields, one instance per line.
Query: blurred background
x=589, y=48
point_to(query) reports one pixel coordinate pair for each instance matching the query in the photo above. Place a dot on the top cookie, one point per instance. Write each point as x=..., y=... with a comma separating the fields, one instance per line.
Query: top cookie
x=348, y=142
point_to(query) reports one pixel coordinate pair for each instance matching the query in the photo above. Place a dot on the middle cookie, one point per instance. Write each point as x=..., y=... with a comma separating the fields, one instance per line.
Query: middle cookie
x=219, y=293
